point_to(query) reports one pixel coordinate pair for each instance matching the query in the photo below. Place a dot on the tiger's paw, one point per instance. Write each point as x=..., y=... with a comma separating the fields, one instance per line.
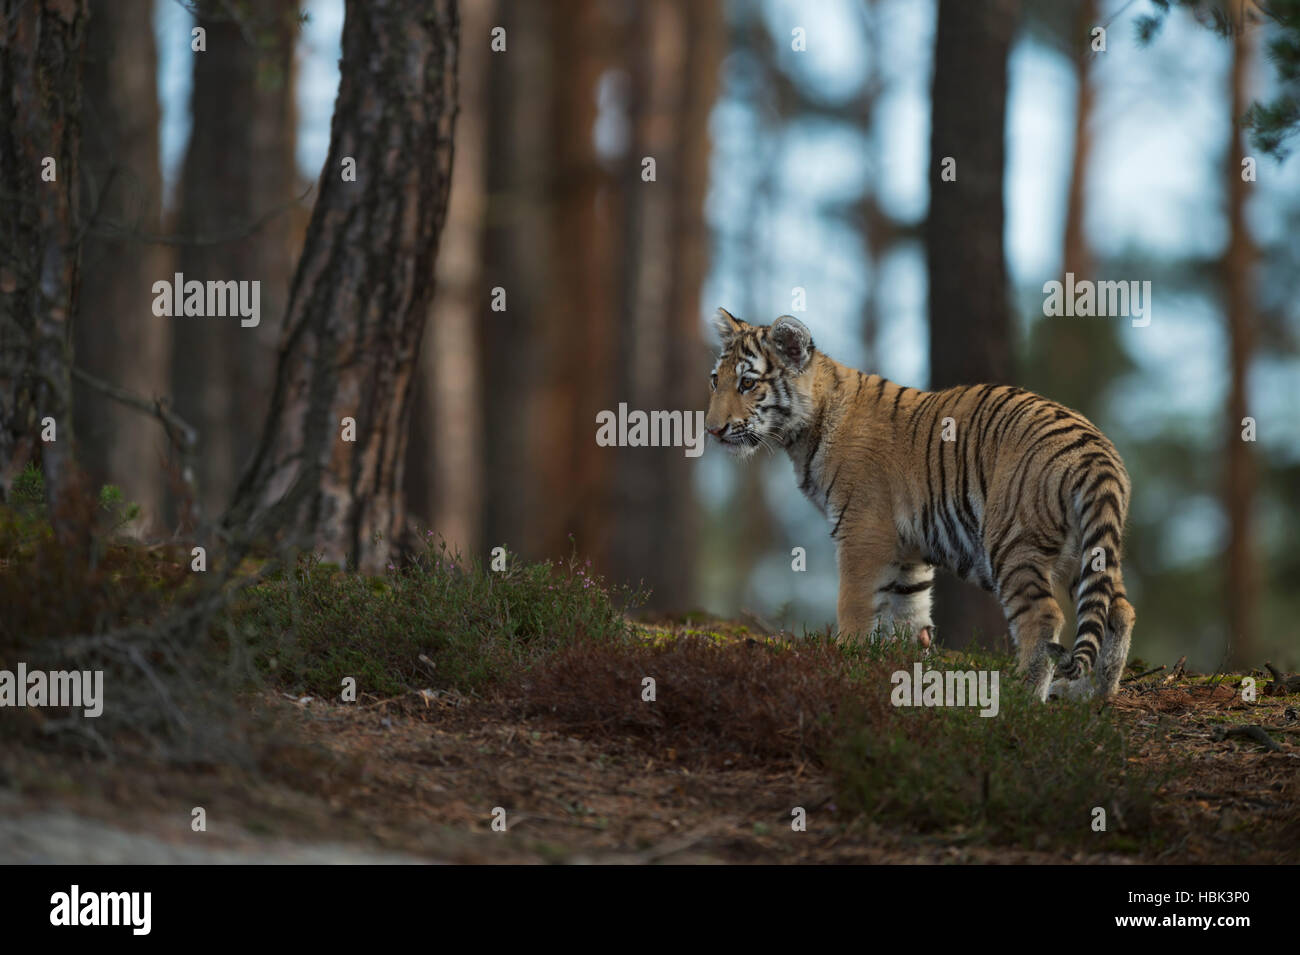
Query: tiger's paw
x=1080, y=688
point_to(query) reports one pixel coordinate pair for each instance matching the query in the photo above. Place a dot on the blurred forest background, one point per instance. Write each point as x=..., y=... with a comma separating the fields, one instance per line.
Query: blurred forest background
x=796, y=150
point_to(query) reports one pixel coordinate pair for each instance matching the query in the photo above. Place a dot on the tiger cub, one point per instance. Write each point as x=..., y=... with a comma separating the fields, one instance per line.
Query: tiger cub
x=1003, y=487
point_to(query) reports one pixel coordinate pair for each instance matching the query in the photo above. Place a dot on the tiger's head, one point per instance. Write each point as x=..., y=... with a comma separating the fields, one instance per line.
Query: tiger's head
x=760, y=389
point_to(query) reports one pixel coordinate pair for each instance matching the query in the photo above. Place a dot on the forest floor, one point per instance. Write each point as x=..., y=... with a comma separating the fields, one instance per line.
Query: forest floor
x=417, y=779
x=445, y=711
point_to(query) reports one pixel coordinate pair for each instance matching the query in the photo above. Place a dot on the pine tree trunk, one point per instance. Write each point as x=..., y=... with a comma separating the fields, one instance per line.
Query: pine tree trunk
x=577, y=328
x=1077, y=254
x=515, y=233
x=360, y=297
x=239, y=167
x=552, y=246
x=705, y=38
x=674, y=54
x=1241, y=577
x=444, y=477
x=40, y=113
x=117, y=337
x=970, y=313
x=1075, y=353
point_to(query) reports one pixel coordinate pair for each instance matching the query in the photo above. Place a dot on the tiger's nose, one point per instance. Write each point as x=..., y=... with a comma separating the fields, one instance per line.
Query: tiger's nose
x=717, y=432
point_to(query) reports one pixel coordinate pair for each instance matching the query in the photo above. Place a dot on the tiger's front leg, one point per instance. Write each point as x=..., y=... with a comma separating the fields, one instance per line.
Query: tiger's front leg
x=861, y=564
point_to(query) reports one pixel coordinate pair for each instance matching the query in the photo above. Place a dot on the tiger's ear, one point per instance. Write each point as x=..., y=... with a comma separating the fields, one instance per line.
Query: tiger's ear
x=727, y=325
x=791, y=341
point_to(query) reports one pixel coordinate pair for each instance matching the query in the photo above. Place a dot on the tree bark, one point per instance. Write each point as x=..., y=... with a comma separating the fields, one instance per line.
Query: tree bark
x=445, y=470
x=116, y=335
x=361, y=294
x=239, y=167
x=1241, y=573
x=970, y=312
x=40, y=240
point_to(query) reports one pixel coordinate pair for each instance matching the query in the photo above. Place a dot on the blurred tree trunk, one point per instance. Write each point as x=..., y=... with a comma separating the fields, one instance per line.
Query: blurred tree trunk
x=1241, y=569
x=970, y=313
x=1068, y=364
x=239, y=168
x=880, y=232
x=515, y=233
x=579, y=317
x=445, y=470
x=1077, y=254
x=674, y=50
x=552, y=248
x=40, y=114
x=601, y=272
x=361, y=294
x=117, y=336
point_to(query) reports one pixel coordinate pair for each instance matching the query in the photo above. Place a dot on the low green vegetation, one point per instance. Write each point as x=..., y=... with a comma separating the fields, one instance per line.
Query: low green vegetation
x=437, y=622
x=1031, y=775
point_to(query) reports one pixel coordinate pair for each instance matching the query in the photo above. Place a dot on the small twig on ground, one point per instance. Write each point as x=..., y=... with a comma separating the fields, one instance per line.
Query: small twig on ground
x=1282, y=684
x=429, y=665
x=391, y=699
x=1253, y=731
x=1179, y=667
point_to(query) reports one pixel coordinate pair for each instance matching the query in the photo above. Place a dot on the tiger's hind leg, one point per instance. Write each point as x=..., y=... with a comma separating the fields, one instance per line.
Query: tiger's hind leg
x=1115, y=643
x=1035, y=619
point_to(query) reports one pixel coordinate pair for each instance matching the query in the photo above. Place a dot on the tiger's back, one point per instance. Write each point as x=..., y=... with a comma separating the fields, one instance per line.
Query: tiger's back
x=1005, y=488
